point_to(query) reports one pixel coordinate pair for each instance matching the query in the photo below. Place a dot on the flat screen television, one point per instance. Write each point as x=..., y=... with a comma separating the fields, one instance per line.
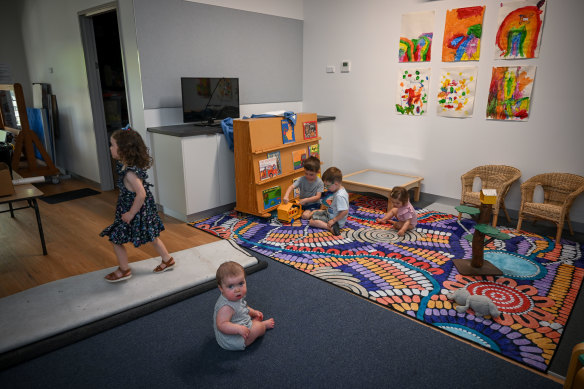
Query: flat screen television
x=206, y=99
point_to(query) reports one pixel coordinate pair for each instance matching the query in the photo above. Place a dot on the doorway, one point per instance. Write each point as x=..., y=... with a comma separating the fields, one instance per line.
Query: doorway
x=106, y=79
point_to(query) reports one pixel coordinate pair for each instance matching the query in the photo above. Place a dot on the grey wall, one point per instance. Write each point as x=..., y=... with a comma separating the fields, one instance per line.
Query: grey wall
x=178, y=38
x=12, y=53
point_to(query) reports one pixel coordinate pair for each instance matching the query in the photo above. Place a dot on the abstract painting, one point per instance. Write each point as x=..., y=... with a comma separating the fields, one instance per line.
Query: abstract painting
x=457, y=91
x=415, y=42
x=520, y=28
x=462, y=34
x=510, y=92
x=412, y=91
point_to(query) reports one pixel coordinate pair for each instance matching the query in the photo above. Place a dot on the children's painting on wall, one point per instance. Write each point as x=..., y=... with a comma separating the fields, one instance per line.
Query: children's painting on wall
x=287, y=132
x=310, y=130
x=510, y=93
x=412, y=91
x=457, y=91
x=520, y=28
x=415, y=42
x=462, y=34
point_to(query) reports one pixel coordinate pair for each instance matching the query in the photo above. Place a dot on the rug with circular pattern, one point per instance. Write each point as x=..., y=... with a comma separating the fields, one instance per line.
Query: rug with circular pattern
x=413, y=273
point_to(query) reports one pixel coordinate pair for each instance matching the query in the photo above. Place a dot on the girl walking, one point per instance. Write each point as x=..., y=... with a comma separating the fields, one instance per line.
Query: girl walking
x=136, y=219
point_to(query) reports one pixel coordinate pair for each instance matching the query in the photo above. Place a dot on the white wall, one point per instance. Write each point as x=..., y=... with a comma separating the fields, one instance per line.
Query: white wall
x=52, y=40
x=285, y=8
x=368, y=132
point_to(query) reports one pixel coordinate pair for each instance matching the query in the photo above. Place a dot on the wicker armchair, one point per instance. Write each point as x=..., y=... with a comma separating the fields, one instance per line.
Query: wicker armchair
x=499, y=177
x=559, y=191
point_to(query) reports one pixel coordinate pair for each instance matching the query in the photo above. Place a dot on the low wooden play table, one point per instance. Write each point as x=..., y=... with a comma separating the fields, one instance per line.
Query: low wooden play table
x=381, y=182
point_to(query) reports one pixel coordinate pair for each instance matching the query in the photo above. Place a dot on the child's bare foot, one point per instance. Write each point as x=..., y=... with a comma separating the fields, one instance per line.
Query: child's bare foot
x=270, y=323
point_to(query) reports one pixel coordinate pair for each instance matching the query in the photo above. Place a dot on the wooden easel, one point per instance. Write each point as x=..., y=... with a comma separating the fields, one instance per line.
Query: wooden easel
x=26, y=139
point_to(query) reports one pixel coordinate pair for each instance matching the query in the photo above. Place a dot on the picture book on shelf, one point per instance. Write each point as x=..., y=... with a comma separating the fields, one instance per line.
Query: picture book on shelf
x=287, y=132
x=314, y=151
x=272, y=196
x=310, y=130
x=296, y=189
x=276, y=154
x=298, y=158
x=268, y=168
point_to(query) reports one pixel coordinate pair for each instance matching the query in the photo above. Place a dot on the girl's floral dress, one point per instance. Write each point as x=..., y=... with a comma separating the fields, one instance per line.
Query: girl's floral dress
x=146, y=225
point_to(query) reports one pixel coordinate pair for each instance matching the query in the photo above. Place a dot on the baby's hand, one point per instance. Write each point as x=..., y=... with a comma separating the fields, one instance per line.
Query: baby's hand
x=244, y=332
x=401, y=232
x=285, y=200
x=258, y=315
x=379, y=220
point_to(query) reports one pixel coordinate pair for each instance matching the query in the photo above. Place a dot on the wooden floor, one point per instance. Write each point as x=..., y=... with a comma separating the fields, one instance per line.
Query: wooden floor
x=72, y=237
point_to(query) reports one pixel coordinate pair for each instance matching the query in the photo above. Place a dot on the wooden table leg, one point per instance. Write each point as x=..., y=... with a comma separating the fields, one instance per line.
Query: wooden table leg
x=417, y=193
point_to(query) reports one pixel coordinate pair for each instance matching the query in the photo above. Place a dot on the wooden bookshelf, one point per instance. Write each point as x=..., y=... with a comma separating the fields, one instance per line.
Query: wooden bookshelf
x=253, y=140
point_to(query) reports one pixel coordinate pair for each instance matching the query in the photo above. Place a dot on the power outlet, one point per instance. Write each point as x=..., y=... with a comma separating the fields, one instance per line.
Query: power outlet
x=330, y=69
x=345, y=66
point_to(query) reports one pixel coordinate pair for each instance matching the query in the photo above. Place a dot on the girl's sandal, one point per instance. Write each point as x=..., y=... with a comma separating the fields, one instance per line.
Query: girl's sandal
x=165, y=265
x=125, y=274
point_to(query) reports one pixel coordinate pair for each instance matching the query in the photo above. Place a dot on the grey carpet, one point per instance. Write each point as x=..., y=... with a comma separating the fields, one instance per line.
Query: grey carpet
x=324, y=338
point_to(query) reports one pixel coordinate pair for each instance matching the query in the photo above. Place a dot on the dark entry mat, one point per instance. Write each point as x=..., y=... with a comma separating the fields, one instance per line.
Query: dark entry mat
x=71, y=195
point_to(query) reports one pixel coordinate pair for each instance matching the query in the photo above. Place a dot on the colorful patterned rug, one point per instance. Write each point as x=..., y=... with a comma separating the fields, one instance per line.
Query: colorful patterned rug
x=411, y=274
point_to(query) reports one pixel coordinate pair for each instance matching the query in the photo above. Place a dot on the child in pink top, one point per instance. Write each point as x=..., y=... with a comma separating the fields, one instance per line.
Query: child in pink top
x=399, y=207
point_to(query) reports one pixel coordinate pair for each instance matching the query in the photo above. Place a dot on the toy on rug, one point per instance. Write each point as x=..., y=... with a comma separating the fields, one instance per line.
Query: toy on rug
x=287, y=212
x=481, y=305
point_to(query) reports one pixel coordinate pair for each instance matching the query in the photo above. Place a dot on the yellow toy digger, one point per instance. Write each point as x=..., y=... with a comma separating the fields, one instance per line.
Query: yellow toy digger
x=288, y=212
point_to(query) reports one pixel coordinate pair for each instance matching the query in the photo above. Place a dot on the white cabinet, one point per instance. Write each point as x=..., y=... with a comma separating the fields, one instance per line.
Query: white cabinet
x=193, y=174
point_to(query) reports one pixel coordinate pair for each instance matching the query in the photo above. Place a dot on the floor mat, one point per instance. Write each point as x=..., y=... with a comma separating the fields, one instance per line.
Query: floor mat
x=71, y=195
x=411, y=274
x=48, y=310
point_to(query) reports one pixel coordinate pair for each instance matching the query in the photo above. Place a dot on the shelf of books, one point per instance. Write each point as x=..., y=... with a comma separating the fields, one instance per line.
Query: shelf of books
x=268, y=158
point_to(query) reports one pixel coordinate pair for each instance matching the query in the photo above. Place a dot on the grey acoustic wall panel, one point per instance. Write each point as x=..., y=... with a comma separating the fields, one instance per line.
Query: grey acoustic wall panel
x=178, y=38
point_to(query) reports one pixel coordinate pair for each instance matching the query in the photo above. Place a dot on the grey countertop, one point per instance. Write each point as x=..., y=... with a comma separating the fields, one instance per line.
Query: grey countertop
x=190, y=129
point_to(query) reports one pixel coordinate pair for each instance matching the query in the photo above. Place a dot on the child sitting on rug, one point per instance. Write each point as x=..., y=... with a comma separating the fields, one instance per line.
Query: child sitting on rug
x=236, y=324
x=334, y=217
x=399, y=206
x=136, y=219
x=310, y=186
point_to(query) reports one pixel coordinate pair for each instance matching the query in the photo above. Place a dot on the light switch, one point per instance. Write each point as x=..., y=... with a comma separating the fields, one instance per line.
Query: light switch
x=345, y=66
x=330, y=69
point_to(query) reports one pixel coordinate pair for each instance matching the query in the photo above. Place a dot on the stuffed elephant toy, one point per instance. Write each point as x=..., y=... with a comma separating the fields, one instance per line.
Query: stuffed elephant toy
x=481, y=305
